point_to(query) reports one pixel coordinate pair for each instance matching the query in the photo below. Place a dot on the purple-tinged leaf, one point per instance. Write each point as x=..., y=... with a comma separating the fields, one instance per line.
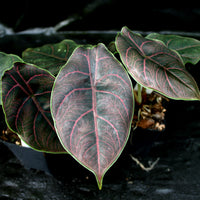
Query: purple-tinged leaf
x=155, y=66
x=92, y=107
x=50, y=56
x=26, y=92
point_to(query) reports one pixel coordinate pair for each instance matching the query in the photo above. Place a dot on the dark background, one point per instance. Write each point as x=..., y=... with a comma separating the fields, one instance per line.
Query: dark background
x=175, y=177
x=98, y=15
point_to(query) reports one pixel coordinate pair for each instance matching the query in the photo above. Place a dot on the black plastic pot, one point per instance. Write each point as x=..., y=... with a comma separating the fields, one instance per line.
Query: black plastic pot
x=28, y=157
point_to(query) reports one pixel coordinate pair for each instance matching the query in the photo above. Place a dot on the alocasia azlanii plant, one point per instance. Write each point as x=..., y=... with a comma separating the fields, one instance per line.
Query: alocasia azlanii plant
x=79, y=99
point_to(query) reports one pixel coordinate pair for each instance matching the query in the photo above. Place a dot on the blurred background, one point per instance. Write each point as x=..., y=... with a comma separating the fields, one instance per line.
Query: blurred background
x=97, y=15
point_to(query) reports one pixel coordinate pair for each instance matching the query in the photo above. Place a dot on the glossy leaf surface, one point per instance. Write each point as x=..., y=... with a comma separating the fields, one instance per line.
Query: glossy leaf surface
x=6, y=62
x=188, y=48
x=50, y=56
x=92, y=106
x=26, y=104
x=155, y=66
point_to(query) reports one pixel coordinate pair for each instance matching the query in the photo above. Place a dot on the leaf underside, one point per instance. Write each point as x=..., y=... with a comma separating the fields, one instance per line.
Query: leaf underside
x=155, y=66
x=92, y=107
x=26, y=104
x=50, y=56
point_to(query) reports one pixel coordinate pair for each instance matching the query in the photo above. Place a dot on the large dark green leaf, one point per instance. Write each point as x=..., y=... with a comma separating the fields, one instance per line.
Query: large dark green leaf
x=92, y=108
x=26, y=103
x=6, y=62
x=188, y=48
x=155, y=66
x=50, y=56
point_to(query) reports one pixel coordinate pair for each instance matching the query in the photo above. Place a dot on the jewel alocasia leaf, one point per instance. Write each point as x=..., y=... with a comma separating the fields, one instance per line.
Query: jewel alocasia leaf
x=6, y=62
x=26, y=93
x=50, y=56
x=92, y=108
x=155, y=66
x=188, y=48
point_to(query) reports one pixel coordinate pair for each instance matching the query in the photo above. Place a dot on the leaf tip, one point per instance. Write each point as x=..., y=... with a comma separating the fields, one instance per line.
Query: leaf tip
x=99, y=179
x=124, y=29
x=99, y=183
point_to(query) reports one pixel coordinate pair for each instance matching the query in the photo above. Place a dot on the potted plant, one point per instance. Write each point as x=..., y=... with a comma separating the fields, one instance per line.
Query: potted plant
x=67, y=98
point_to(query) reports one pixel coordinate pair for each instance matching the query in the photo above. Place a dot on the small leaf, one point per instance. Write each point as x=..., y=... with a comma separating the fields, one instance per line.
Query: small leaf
x=6, y=62
x=26, y=104
x=92, y=108
x=112, y=47
x=156, y=67
x=50, y=56
x=188, y=48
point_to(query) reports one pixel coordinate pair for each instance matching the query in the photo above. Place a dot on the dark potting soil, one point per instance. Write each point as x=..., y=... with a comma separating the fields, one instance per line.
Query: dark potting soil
x=175, y=176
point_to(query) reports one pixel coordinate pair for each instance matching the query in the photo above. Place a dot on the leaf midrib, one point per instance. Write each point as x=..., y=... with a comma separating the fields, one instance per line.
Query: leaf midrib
x=174, y=75
x=144, y=56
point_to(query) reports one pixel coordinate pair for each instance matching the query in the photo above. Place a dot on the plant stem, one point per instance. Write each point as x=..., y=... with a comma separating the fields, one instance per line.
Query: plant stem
x=139, y=96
